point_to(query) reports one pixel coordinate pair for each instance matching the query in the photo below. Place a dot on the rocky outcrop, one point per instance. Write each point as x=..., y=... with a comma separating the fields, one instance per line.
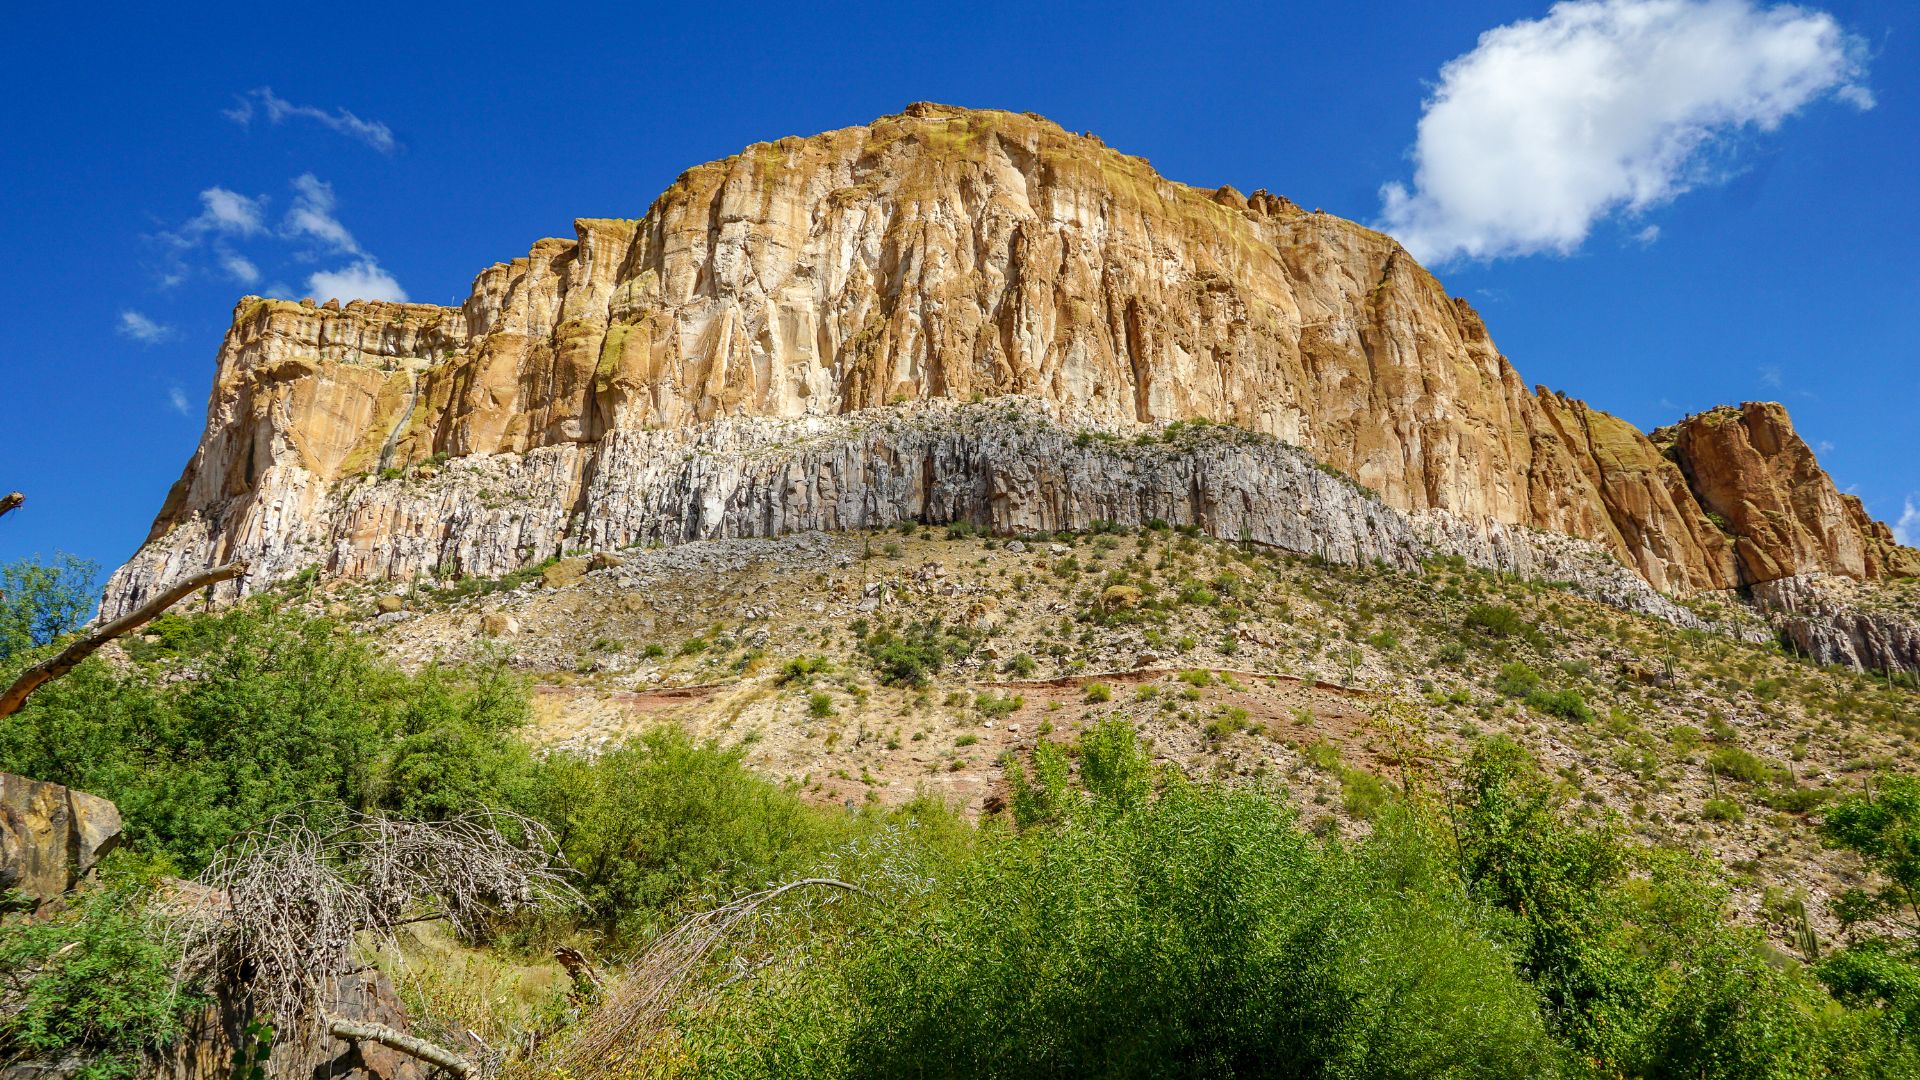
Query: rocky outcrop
x=1783, y=513
x=207, y=1048
x=733, y=363
x=51, y=836
x=1835, y=620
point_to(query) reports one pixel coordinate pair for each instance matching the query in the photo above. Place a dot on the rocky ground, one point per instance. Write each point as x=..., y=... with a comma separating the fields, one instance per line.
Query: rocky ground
x=1336, y=683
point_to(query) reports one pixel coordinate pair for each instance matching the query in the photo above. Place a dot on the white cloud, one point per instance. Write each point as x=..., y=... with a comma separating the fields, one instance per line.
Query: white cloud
x=228, y=212
x=1907, y=529
x=1771, y=377
x=177, y=398
x=142, y=329
x=309, y=231
x=1603, y=106
x=360, y=280
x=276, y=108
x=238, y=267
x=311, y=215
x=1647, y=236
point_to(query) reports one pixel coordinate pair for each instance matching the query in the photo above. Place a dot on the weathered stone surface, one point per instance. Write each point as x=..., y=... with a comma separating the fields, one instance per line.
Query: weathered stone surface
x=762, y=350
x=563, y=573
x=205, y=1051
x=51, y=836
x=1835, y=620
x=1747, y=466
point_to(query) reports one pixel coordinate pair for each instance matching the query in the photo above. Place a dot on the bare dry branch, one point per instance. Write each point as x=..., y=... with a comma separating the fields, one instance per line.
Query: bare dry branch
x=68, y=658
x=301, y=891
x=638, y=1006
x=432, y=1053
x=11, y=501
x=586, y=981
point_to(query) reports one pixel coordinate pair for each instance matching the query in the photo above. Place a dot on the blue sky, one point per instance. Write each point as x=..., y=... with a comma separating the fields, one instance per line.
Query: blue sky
x=1658, y=205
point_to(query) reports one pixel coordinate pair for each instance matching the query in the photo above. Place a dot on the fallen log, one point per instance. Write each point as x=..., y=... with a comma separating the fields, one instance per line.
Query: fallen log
x=431, y=1053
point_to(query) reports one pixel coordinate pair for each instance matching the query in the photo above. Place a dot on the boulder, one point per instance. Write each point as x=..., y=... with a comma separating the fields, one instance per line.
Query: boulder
x=563, y=573
x=51, y=836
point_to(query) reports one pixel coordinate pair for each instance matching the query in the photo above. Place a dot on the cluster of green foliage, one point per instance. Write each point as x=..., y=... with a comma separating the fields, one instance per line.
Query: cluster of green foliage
x=97, y=975
x=911, y=654
x=661, y=821
x=1120, y=932
x=1128, y=923
x=1519, y=680
x=1500, y=622
x=40, y=601
x=482, y=586
x=1632, y=951
x=224, y=720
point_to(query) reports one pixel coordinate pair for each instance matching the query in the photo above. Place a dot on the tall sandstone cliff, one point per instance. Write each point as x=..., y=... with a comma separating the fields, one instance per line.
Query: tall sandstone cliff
x=738, y=362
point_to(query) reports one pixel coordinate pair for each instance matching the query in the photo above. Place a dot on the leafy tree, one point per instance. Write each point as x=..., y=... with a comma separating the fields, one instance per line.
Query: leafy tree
x=1883, y=826
x=229, y=719
x=40, y=601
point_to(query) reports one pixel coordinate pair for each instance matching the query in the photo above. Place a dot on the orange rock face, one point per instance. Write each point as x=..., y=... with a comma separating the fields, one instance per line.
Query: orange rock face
x=1748, y=468
x=948, y=254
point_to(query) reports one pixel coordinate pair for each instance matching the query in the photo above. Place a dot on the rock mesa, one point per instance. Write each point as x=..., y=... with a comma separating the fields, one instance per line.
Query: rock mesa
x=817, y=333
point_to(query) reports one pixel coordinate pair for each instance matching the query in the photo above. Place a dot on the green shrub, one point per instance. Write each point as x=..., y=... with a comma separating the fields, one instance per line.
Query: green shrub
x=663, y=821
x=1496, y=620
x=1740, y=765
x=1566, y=704
x=1098, y=693
x=908, y=656
x=802, y=668
x=95, y=982
x=1721, y=809
x=820, y=704
x=996, y=706
x=1517, y=680
x=1794, y=799
x=225, y=720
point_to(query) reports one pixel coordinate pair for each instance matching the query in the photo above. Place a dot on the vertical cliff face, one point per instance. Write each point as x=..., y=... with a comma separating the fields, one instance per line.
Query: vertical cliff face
x=1750, y=470
x=803, y=290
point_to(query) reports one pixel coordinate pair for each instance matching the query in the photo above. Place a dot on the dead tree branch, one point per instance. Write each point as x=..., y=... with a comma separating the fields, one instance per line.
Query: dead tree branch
x=431, y=1053
x=68, y=658
x=304, y=894
x=638, y=1006
x=11, y=501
